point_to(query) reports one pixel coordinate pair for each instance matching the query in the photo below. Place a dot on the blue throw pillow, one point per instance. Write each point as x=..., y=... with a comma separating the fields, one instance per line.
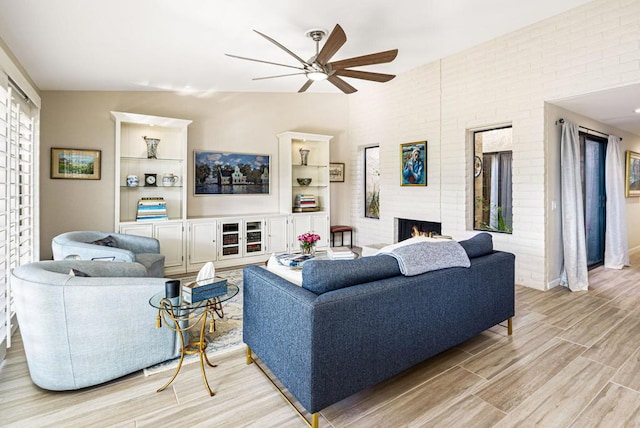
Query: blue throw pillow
x=479, y=245
x=321, y=276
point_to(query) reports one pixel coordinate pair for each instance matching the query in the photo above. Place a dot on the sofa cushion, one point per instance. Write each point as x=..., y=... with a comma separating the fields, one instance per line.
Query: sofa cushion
x=321, y=276
x=479, y=245
x=108, y=241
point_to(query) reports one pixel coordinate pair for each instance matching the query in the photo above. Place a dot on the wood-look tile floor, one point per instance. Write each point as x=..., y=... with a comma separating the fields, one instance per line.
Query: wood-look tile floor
x=573, y=361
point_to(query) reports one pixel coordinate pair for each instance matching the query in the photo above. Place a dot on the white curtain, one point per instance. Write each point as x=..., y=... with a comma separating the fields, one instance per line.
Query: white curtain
x=574, y=271
x=495, y=186
x=616, y=248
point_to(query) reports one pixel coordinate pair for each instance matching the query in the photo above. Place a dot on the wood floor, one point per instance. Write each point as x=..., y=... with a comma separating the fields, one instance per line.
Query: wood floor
x=573, y=360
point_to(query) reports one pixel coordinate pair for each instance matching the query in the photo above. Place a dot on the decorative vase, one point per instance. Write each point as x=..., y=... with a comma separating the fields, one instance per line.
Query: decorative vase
x=303, y=156
x=152, y=147
x=308, y=249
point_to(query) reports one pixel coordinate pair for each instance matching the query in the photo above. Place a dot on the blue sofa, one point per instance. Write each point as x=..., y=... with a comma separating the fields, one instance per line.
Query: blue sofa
x=355, y=323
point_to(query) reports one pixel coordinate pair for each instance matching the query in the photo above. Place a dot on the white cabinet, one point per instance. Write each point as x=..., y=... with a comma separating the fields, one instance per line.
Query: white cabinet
x=169, y=159
x=305, y=216
x=277, y=233
x=203, y=244
x=170, y=235
x=302, y=223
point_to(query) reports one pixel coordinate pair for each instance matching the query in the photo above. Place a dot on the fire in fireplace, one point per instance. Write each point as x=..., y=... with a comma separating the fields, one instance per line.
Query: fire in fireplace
x=408, y=228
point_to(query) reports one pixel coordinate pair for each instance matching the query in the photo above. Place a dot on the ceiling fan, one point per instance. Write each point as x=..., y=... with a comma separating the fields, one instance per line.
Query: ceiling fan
x=318, y=66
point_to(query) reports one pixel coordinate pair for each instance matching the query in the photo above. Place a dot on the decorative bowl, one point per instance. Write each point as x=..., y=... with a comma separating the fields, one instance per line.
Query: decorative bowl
x=304, y=181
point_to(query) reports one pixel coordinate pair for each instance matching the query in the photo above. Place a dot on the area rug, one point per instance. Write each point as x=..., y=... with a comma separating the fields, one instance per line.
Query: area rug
x=228, y=334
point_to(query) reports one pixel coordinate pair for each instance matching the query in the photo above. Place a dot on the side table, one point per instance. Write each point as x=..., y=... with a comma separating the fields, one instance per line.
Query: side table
x=182, y=317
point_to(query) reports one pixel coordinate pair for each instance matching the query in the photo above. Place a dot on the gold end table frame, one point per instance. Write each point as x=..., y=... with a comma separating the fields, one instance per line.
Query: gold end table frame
x=182, y=317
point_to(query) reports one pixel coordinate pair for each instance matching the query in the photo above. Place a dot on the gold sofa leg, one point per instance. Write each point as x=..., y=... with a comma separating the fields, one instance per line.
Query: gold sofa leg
x=314, y=420
x=510, y=326
x=249, y=357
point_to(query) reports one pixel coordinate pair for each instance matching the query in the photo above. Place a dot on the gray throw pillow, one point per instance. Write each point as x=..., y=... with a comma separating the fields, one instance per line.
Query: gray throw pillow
x=108, y=241
x=76, y=272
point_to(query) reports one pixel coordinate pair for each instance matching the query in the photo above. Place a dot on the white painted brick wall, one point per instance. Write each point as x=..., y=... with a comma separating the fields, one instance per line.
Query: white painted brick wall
x=507, y=80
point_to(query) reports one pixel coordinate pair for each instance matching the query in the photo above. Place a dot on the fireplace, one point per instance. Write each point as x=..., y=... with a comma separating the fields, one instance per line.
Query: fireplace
x=408, y=228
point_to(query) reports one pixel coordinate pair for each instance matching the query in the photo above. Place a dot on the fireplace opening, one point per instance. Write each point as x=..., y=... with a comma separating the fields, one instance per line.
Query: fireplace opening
x=409, y=228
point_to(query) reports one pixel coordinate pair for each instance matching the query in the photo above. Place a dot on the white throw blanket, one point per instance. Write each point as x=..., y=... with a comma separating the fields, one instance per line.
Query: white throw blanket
x=422, y=257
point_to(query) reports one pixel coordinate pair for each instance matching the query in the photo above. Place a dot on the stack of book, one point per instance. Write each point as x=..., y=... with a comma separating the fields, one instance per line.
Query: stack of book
x=204, y=290
x=340, y=253
x=152, y=209
x=305, y=203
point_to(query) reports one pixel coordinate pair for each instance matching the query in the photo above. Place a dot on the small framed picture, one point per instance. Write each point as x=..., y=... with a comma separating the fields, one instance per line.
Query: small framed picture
x=413, y=164
x=336, y=172
x=76, y=164
x=632, y=175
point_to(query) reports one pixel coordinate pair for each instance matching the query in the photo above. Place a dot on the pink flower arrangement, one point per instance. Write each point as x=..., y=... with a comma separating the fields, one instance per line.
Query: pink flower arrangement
x=308, y=241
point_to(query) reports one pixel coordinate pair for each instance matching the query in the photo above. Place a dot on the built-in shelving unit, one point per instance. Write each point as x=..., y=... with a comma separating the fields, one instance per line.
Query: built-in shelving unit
x=291, y=168
x=131, y=159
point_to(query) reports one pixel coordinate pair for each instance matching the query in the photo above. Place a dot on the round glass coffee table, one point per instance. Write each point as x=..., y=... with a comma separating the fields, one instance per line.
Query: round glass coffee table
x=181, y=317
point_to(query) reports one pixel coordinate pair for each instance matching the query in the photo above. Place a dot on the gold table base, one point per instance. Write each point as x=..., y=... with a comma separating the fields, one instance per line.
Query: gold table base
x=180, y=323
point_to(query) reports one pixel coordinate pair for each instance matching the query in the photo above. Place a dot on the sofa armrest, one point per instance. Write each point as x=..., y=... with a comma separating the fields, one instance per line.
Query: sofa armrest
x=86, y=251
x=137, y=244
x=278, y=318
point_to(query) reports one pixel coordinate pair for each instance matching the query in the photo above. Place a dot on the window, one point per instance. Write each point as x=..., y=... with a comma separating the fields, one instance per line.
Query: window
x=17, y=216
x=492, y=208
x=372, y=182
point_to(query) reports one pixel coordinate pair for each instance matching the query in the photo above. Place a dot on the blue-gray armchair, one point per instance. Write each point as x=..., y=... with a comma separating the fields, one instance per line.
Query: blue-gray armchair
x=94, y=245
x=82, y=331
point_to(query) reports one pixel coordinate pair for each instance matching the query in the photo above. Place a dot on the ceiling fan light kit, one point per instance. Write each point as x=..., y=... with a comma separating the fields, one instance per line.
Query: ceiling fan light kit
x=318, y=67
x=317, y=75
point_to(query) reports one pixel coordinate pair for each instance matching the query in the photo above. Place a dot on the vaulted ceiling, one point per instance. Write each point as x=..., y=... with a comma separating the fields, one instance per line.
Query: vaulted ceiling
x=169, y=45
x=180, y=45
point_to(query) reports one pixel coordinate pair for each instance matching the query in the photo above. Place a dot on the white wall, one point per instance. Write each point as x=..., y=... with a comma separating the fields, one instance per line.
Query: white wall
x=234, y=122
x=506, y=80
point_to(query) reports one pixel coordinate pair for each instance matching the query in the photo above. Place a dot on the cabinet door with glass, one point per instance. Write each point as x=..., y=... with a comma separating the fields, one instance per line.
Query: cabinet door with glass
x=254, y=234
x=230, y=239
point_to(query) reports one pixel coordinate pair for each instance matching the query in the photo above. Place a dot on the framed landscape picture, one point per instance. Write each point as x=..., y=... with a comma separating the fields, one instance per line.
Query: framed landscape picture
x=336, y=172
x=218, y=173
x=75, y=164
x=413, y=164
x=632, y=176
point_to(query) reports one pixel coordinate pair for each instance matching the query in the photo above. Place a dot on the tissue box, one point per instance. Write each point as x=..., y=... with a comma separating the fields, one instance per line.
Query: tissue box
x=192, y=293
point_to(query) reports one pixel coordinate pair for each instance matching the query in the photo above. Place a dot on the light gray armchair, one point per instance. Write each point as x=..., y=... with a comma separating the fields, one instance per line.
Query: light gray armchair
x=83, y=331
x=126, y=248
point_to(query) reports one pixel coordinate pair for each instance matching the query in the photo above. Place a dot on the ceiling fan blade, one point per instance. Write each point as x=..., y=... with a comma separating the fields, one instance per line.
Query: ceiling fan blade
x=336, y=39
x=341, y=84
x=279, y=75
x=375, y=58
x=305, y=86
x=264, y=62
x=366, y=75
x=303, y=62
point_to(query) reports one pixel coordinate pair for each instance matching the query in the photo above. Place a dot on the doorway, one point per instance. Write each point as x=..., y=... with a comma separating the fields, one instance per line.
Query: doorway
x=592, y=154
